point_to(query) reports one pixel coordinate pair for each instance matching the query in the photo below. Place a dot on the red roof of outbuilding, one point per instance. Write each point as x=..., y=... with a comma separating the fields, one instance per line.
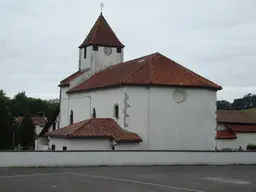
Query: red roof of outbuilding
x=96, y=127
x=242, y=128
x=154, y=69
x=35, y=120
x=236, y=117
x=225, y=135
x=101, y=34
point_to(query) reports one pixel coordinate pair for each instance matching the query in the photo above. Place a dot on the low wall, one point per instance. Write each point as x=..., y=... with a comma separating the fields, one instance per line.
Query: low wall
x=120, y=158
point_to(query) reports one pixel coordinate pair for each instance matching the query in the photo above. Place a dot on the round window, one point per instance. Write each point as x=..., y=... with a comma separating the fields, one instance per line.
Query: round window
x=179, y=95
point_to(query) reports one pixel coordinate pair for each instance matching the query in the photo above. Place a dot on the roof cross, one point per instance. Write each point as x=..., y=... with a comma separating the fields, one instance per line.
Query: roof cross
x=101, y=6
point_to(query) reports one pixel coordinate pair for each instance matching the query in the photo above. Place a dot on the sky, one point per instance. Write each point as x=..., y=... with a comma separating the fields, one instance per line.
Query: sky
x=39, y=39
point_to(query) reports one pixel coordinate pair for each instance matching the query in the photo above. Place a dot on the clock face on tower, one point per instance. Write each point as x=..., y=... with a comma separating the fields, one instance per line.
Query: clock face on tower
x=107, y=50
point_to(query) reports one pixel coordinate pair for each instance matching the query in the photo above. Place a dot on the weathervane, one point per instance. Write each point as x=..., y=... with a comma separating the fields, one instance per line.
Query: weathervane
x=101, y=6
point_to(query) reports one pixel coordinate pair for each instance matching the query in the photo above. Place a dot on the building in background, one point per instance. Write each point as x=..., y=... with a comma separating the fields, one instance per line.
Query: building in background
x=236, y=129
x=39, y=123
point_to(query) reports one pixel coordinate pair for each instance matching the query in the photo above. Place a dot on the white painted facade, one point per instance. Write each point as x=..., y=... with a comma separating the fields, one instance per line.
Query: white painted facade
x=242, y=140
x=88, y=144
x=98, y=60
x=64, y=108
x=80, y=144
x=154, y=114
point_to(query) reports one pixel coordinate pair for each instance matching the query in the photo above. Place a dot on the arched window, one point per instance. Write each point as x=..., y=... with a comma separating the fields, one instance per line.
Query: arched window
x=93, y=113
x=71, y=117
x=116, y=111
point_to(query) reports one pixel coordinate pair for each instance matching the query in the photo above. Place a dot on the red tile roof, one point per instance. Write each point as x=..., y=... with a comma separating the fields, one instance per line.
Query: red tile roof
x=96, y=127
x=101, y=34
x=225, y=135
x=242, y=128
x=35, y=120
x=154, y=69
x=66, y=81
x=236, y=116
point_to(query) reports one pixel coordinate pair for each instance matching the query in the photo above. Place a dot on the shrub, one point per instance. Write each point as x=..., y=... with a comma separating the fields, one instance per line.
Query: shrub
x=251, y=146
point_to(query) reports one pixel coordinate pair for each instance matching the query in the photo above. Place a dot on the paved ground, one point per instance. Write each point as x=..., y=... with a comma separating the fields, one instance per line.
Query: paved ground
x=127, y=179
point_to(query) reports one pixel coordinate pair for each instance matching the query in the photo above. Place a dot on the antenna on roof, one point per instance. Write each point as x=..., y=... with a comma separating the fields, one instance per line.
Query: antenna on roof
x=101, y=6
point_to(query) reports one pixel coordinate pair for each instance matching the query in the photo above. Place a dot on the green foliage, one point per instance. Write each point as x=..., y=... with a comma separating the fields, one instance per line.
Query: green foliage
x=27, y=132
x=5, y=123
x=21, y=105
x=246, y=102
x=251, y=146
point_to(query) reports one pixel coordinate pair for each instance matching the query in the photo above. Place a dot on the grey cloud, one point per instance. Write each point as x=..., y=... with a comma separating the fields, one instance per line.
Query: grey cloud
x=213, y=38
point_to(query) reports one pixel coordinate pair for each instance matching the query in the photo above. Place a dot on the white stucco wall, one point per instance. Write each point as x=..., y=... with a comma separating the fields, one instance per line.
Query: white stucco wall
x=243, y=139
x=86, y=62
x=102, y=61
x=41, y=143
x=80, y=144
x=80, y=79
x=137, y=113
x=103, y=101
x=97, y=60
x=120, y=158
x=187, y=125
x=64, y=109
x=128, y=146
x=155, y=115
x=221, y=127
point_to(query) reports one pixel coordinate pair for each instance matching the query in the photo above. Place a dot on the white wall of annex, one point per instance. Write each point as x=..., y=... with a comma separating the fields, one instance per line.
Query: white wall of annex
x=243, y=139
x=80, y=144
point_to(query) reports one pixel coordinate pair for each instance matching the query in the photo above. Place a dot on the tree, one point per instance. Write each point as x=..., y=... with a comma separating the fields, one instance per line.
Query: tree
x=5, y=124
x=246, y=102
x=27, y=132
x=223, y=104
x=20, y=105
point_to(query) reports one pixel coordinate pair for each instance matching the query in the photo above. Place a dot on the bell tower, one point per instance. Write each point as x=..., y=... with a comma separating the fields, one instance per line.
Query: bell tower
x=101, y=48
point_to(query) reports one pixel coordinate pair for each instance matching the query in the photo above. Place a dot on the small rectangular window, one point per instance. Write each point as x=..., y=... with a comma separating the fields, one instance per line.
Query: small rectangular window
x=53, y=147
x=95, y=48
x=64, y=148
x=119, y=49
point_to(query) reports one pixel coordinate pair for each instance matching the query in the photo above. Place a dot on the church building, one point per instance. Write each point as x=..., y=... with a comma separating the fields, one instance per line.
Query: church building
x=147, y=103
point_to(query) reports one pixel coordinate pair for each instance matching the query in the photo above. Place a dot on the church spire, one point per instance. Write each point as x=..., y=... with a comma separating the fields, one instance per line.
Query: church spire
x=101, y=34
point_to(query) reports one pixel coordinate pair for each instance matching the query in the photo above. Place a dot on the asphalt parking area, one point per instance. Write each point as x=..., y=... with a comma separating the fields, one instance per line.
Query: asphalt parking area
x=136, y=179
